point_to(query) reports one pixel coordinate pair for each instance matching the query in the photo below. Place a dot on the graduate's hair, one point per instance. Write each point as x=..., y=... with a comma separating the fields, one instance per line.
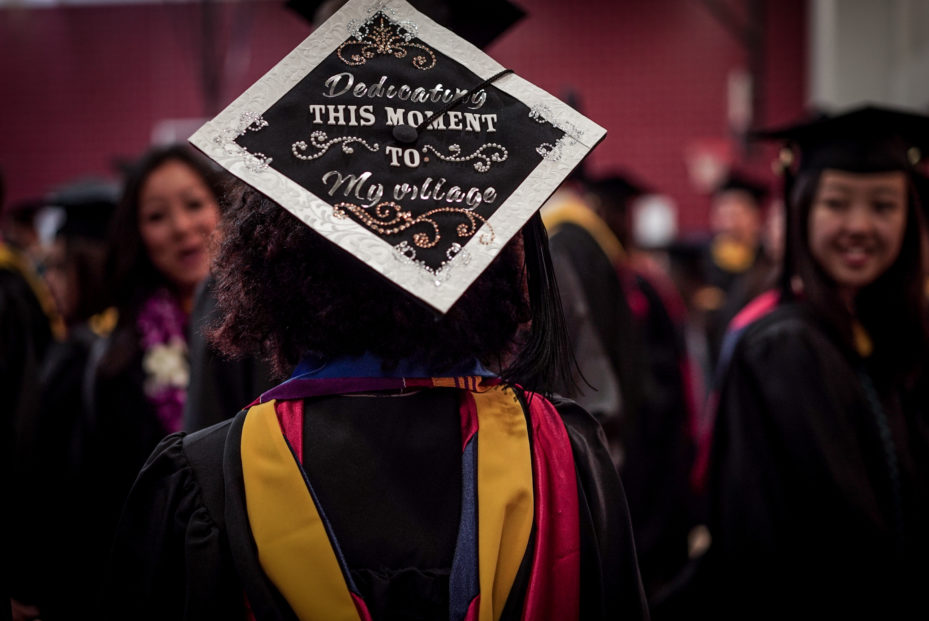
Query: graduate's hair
x=283, y=291
x=893, y=309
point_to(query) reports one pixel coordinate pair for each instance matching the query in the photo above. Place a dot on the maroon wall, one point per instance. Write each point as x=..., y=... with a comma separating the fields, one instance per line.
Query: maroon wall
x=83, y=86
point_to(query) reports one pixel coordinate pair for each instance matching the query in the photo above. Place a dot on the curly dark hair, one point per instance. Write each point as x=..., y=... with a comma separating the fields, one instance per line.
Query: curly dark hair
x=283, y=291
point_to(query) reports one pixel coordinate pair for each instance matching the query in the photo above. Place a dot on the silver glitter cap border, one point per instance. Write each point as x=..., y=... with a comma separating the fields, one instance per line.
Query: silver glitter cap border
x=441, y=288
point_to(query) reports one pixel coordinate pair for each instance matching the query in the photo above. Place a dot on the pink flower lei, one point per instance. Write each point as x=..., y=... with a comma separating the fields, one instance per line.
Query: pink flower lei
x=162, y=325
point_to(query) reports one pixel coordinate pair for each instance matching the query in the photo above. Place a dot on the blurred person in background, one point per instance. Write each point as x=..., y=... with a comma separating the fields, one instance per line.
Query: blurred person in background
x=587, y=258
x=50, y=552
x=737, y=216
x=27, y=321
x=30, y=321
x=159, y=253
x=819, y=468
x=762, y=276
x=659, y=454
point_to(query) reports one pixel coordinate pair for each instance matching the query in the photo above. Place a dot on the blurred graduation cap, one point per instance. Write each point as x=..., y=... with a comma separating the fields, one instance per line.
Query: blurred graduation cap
x=612, y=195
x=403, y=144
x=739, y=181
x=86, y=208
x=618, y=187
x=866, y=139
x=479, y=22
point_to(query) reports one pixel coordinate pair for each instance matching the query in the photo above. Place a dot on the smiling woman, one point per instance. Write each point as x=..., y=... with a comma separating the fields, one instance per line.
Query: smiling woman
x=819, y=472
x=177, y=214
x=159, y=252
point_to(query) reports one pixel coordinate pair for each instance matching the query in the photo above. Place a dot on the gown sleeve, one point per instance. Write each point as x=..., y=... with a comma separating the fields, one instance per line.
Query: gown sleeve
x=611, y=587
x=166, y=540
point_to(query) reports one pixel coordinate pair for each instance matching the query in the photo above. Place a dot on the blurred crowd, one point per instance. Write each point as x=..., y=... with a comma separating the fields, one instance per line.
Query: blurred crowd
x=104, y=293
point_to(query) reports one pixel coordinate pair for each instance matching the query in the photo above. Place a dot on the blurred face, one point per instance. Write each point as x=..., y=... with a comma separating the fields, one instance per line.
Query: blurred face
x=856, y=226
x=736, y=215
x=177, y=215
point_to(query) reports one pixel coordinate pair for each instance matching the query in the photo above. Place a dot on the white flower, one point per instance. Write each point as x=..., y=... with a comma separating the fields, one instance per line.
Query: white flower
x=166, y=365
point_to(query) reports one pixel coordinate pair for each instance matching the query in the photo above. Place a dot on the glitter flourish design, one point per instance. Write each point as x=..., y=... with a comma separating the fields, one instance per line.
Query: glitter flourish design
x=389, y=218
x=379, y=36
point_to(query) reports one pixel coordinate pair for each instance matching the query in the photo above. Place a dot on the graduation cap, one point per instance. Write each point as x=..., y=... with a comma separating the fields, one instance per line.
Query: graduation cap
x=738, y=181
x=403, y=144
x=867, y=139
x=87, y=208
x=619, y=188
x=478, y=21
x=863, y=140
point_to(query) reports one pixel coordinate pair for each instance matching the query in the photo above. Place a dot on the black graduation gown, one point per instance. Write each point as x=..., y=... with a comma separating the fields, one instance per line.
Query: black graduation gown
x=645, y=356
x=119, y=430
x=802, y=503
x=387, y=471
x=25, y=334
x=656, y=472
x=612, y=318
x=56, y=567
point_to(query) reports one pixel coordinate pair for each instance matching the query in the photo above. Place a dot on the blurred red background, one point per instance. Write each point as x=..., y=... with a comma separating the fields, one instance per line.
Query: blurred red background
x=84, y=86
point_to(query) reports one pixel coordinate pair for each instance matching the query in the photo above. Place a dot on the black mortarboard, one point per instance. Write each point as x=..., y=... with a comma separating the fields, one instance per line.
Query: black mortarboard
x=403, y=144
x=738, y=181
x=478, y=21
x=87, y=207
x=866, y=139
x=618, y=187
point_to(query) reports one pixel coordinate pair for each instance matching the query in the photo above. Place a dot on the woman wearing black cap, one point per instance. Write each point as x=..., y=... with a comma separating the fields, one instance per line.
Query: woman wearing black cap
x=819, y=471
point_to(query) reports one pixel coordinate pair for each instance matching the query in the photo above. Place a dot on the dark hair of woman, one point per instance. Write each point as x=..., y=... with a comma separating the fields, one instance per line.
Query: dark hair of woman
x=130, y=273
x=892, y=309
x=283, y=291
x=85, y=259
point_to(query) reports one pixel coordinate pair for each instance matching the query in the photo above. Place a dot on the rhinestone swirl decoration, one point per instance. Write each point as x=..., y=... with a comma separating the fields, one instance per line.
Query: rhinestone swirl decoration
x=248, y=122
x=407, y=254
x=389, y=219
x=483, y=162
x=549, y=151
x=380, y=36
x=319, y=140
